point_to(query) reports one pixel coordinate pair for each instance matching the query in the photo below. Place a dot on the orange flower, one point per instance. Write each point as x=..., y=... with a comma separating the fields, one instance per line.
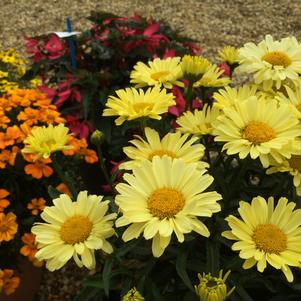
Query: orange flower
x=36, y=205
x=89, y=155
x=51, y=116
x=8, y=226
x=63, y=189
x=29, y=249
x=77, y=145
x=8, y=156
x=8, y=283
x=4, y=104
x=39, y=168
x=29, y=116
x=3, y=202
x=4, y=120
x=9, y=137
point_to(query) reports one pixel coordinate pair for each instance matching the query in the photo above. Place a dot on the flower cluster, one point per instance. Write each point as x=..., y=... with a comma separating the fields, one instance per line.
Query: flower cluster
x=206, y=176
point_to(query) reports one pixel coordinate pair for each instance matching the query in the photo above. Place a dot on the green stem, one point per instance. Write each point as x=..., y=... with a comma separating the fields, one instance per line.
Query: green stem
x=104, y=168
x=64, y=176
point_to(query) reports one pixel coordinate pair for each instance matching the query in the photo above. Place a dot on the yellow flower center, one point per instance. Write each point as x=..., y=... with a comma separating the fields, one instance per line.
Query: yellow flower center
x=76, y=229
x=277, y=58
x=295, y=162
x=269, y=238
x=158, y=75
x=165, y=202
x=258, y=132
x=141, y=106
x=161, y=153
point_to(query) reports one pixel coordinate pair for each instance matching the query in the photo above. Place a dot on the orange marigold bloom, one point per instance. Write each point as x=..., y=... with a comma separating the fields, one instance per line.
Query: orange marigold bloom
x=89, y=155
x=63, y=189
x=29, y=249
x=3, y=201
x=36, y=205
x=8, y=282
x=77, y=144
x=8, y=226
x=51, y=116
x=8, y=138
x=38, y=168
x=29, y=116
x=17, y=97
x=8, y=156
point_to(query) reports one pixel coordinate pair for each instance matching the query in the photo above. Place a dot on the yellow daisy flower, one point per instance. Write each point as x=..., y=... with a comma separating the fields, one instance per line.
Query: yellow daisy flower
x=162, y=197
x=292, y=97
x=212, y=78
x=267, y=235
x=271, y=62
x=213, y=288
x=44, y=141
x=166, y=72
x=132, y=104
x=228, y=96
x=173, y=145
x=229, y=54
x=263, y=129
x=199, y=122
x=74, y=229
x=293, y=166
x=193, y=67
x=132, y=295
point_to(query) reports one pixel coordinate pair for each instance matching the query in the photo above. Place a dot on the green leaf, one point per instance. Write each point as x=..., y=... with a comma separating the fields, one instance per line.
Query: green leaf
x=106, y=275
x=53, y=193
x=181, y=265
x=213, y=257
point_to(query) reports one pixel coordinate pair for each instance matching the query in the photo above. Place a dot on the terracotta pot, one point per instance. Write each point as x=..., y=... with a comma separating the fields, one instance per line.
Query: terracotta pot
x=29, y=284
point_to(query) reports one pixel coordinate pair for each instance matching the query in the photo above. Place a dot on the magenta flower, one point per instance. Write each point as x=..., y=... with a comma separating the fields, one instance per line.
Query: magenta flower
x=82, y=129
x=54, y=47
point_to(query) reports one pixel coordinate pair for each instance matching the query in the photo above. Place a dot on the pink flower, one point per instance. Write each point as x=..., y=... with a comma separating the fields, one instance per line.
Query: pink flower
x=179, y=108
x=32, y=48
x=194, y=48
x=54, y=47
x=82, y=129
x=65, y=92
x=153, y=39
x=225, y=67
x=50, y=93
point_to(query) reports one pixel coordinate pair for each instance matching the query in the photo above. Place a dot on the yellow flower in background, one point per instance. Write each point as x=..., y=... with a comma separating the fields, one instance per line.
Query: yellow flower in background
x=229, y=54
x=259, y=128
x=158, y=72
x=132, y=295
x=199, y=122
x=173, y=145
x=228, y=96
x=132, y=104
x=213, y=288
x=267, y=234
x=212, y=78
x=271, y=62
x=74, y=229
x=193, y=67
x=292, y=166
x=162, y=197
x=43, y=141
x=292, y=97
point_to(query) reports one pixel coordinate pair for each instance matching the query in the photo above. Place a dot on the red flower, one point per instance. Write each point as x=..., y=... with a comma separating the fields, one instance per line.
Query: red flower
x=152, y=38
x=225, y=67
x=32, y=49
x=54, y=47
x=82, y=129
x=65, y=92
x=194, y=48
x=179, y=108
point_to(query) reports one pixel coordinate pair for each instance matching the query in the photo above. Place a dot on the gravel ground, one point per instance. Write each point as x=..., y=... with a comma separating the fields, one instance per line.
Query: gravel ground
x=214, y=23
